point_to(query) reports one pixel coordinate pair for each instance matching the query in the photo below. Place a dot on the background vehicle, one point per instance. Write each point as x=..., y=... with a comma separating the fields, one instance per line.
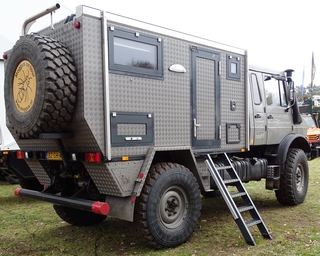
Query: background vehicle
x=130, y=120
x=313, y=134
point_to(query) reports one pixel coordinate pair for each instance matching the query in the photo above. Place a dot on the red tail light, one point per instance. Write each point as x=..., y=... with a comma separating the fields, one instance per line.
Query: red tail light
x=21, y=155
x=92, y=157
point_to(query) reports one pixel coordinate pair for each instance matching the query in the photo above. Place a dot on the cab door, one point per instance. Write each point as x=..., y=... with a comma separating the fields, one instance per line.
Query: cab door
x=279, y=117
x=259, y=124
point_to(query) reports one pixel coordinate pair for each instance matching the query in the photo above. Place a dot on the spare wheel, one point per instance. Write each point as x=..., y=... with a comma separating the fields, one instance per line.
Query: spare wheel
x=40, y=86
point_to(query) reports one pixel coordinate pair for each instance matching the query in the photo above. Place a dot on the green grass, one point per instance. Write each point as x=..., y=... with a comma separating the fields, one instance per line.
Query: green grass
x=30, y=227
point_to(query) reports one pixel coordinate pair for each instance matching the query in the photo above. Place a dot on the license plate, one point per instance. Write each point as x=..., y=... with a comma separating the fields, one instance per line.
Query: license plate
x=52, y=155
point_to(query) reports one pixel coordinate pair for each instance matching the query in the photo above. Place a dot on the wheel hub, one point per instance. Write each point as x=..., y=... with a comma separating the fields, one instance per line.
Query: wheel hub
x=173, y=207
x=299, y=178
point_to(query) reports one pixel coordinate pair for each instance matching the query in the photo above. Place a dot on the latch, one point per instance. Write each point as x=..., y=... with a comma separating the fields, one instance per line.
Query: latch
x=195, y=127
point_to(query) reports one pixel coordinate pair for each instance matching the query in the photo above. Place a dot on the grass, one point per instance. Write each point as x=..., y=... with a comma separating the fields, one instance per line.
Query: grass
x=30, y=227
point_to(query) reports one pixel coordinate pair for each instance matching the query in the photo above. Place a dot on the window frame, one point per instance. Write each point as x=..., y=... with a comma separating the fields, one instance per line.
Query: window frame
x=140, y=38
x=233, y=60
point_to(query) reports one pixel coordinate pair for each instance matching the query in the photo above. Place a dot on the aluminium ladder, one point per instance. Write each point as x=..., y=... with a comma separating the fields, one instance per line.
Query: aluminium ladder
x=236, y=210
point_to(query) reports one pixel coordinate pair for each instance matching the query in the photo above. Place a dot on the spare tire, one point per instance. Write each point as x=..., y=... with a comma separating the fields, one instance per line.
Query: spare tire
x=40, y=86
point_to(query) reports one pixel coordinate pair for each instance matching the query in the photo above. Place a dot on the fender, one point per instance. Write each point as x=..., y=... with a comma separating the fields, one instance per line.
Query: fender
x=291, y=141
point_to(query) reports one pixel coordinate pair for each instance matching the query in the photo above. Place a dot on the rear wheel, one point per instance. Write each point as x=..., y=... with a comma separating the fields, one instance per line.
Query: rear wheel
x=169, y=206
x=75, y=216
x=294, y=181
x=78, y=217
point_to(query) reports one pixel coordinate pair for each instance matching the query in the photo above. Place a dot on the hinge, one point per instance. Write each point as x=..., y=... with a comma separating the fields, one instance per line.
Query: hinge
x=220, y=132
x=194, y=48
x=265, y=128
x=219, y=68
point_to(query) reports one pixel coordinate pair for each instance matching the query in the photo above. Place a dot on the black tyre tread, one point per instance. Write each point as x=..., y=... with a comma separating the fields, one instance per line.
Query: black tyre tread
x=60, y=88
x=286, y=195
x=141, y=205
x=78, y=217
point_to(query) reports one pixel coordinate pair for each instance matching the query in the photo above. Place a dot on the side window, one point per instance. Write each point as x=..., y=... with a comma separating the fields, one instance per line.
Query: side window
x=255, y=89
x=283, y=98
x=135, y=54
x=271, y=86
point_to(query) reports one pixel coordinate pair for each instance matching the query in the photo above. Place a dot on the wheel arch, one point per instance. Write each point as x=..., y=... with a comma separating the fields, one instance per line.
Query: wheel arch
x=182, y=155
x=291, y=141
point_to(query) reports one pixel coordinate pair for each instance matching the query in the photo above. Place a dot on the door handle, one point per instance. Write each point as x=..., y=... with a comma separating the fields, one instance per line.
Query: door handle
x=257, y=116
x=195, y=127
x=270, y=117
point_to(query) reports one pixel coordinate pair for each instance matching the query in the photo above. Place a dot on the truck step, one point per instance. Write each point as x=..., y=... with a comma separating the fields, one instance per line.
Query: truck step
x=241, y=193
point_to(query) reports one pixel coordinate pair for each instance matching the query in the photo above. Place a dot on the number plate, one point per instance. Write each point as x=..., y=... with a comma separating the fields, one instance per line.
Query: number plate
x=52, y=155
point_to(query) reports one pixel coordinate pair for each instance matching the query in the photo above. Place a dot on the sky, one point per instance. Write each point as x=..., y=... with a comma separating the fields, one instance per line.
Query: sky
x=278, y=34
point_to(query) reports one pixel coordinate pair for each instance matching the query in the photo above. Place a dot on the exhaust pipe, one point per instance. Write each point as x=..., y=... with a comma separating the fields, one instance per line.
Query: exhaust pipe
x=81, y=204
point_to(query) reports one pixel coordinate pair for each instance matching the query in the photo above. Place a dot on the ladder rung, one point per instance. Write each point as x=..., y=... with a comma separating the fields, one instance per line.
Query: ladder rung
x=230, y=181
x=238, y=194
x=223, y=167
x=245, y=208
x=252, y=222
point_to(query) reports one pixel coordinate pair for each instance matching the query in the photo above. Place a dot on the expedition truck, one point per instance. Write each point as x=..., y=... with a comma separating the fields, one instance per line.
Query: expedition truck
x=125, y=119
x=13, y=169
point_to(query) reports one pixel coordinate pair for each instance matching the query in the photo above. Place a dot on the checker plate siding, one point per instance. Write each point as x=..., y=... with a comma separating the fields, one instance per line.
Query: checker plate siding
x=204, y=173
x=38, y=171
x=169, y=99
x=115, y=179
x=88, y=118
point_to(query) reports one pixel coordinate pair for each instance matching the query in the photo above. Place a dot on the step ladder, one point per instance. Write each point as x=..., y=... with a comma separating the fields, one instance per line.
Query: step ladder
x=229, y=197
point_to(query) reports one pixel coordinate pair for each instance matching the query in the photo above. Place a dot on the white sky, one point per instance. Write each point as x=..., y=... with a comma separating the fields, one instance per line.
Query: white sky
x=278, y=34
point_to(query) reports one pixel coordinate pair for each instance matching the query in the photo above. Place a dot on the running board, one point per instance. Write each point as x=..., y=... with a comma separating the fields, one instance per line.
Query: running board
x=236, y=210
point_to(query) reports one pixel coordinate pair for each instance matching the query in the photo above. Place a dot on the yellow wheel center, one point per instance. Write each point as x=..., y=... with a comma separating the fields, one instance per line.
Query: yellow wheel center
x=24, y=86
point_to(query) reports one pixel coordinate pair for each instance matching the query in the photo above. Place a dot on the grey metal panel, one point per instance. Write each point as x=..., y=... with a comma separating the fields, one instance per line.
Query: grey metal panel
x=232, y=90
x=204, y=173
x=113, y=178
x=168, y=99
x=205, y=99
x=88, y=119
x=38, y=171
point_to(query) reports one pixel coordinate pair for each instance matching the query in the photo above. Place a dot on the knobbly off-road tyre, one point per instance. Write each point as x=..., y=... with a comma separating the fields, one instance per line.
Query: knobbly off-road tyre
x=40, y=86
x=78, y=217
x=294, y=181
x=168, y=208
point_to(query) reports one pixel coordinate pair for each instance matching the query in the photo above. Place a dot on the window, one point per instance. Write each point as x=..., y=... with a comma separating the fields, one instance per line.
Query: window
x=233, y=67
x=255, y=89
x=132, y=53
x=275, y=92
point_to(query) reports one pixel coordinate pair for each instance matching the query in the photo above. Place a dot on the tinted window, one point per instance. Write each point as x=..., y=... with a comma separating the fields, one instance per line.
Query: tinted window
x=132, y=53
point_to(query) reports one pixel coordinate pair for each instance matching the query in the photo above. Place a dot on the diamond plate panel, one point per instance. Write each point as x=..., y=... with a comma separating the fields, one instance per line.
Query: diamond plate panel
x=38, y=171
x=168, y=99
x=88, y=119
x=205, y=99
x=116, y=179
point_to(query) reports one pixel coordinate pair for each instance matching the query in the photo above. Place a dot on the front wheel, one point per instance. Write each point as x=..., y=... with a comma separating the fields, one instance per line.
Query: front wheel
x=169, y=206
x=294, y=181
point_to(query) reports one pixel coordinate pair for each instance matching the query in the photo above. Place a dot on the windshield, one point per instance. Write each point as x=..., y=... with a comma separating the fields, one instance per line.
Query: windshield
x=310, y=121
